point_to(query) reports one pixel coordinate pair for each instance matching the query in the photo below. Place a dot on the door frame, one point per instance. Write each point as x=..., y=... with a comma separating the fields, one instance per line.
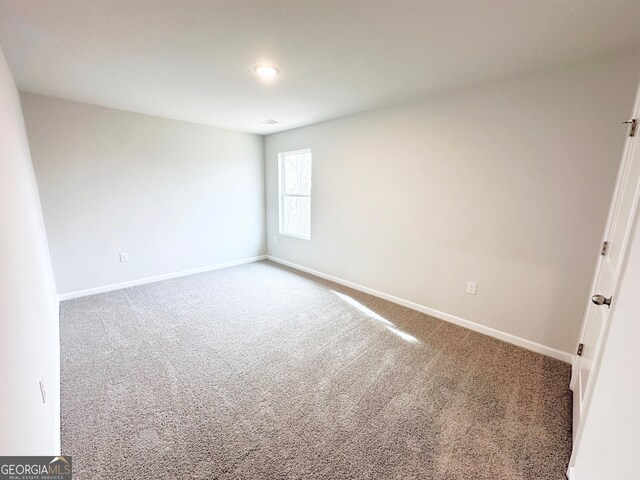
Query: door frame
x=630, y=154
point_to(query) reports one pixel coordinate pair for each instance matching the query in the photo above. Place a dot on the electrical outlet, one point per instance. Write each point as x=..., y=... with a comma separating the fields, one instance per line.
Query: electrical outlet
x=275, y=239
x=124, y=257
x=471, y=288
x=43, y=391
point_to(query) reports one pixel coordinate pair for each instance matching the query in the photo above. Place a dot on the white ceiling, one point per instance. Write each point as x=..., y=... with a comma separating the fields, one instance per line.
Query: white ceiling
x=192, y=60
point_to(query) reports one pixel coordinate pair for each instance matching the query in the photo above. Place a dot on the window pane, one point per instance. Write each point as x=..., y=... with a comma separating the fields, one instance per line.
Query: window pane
x=297, y=216
x=297, y=174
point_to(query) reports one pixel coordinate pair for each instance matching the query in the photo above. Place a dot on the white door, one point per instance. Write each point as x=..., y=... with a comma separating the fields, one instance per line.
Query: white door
x=608, y=270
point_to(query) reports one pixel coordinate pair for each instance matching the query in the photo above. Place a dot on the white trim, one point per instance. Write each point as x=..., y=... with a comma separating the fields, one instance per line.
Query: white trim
x=571, y=473
x=157, y=278
x=295, y=236
x=492, y=332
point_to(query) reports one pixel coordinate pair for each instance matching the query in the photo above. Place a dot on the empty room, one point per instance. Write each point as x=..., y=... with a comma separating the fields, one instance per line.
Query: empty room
x=319, y=239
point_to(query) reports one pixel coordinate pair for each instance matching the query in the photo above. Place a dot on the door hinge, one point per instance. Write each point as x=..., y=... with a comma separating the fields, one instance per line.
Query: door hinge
x=634, y=126
x=605, y=248
x=580, y=349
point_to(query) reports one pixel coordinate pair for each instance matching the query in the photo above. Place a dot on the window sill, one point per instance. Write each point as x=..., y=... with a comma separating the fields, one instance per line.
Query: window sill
x=295, y=236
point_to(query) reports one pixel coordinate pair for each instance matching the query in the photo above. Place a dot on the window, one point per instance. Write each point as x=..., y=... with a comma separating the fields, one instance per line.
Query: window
x=294, y=180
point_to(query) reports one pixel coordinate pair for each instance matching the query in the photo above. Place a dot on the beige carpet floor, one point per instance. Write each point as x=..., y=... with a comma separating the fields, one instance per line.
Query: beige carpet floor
x=260, y=372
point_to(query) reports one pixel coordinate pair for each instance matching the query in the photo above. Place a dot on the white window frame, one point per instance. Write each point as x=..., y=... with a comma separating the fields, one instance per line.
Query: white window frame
x=281, y=194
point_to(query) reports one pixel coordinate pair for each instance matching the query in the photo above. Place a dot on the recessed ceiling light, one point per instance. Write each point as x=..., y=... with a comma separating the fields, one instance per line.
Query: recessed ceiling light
x=266, y=71
x=269, y=121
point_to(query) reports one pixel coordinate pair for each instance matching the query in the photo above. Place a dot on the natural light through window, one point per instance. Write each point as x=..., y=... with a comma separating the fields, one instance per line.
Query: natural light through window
x=294, y=179
x=370, y=313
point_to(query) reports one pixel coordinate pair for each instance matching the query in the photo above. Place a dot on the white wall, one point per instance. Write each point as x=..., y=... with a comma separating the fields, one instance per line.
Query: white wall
x=506, y=184
x=173, y=195
x=610, y=443
x=29, y=345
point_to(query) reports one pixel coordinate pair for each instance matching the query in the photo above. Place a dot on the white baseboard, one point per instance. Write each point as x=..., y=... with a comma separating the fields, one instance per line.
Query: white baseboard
x=157, y=278
x=492, y=332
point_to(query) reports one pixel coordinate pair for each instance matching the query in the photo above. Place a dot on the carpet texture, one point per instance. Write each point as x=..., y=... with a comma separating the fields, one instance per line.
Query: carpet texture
x=261, y=372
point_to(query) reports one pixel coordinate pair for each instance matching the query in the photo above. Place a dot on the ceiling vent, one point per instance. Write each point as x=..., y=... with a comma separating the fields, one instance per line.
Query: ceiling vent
x=269, y=121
